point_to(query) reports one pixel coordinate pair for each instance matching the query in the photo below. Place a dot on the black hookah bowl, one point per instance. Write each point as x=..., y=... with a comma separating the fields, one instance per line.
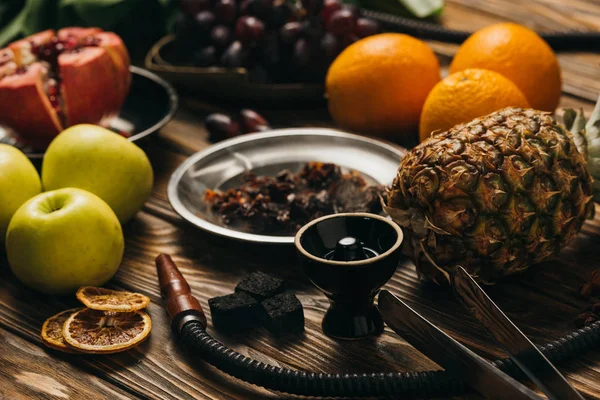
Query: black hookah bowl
x=349, y=257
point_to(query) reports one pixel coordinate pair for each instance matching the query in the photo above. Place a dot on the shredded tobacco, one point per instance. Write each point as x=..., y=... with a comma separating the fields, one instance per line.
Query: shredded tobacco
x=282, y=204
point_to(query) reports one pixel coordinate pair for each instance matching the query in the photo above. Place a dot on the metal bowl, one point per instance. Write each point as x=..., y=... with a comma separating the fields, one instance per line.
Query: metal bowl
x=150, y=104
x=222, y=166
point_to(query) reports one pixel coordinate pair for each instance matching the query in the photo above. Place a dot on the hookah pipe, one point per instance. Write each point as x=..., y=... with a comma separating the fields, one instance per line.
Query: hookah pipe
x=189, y=322
x=558, y=40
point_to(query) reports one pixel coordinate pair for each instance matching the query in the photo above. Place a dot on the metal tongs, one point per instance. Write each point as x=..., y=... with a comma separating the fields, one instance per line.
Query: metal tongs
x=456, y=358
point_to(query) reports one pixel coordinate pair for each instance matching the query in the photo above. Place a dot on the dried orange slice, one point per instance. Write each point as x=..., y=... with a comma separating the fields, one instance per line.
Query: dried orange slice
x=98, y=298
x=95, y=331
x=52, y=331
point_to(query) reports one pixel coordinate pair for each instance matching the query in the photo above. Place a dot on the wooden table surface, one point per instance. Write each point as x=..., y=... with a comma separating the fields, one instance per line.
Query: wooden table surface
x=543, y=302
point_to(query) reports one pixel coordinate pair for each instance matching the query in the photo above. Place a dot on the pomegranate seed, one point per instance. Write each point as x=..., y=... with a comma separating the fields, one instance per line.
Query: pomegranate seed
x=70, y=43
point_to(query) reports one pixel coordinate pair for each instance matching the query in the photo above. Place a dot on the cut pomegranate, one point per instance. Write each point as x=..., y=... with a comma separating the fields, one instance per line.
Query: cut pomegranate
x=49, y=81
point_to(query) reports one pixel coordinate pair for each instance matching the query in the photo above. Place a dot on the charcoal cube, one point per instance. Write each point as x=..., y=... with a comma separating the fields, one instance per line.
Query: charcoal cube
x=260, y=285
x=234, y=312
x=283, y=314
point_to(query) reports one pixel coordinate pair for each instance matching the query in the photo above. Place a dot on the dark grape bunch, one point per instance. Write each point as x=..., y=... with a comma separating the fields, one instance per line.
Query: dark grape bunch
x=276, y=40
x=222, y=126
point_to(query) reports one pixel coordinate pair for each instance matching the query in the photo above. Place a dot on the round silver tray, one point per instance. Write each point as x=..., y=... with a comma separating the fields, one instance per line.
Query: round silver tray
x=222, y=166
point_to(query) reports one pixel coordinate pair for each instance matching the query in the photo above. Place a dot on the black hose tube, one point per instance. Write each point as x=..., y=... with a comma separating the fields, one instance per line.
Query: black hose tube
x=565, y=40
x=424, y=384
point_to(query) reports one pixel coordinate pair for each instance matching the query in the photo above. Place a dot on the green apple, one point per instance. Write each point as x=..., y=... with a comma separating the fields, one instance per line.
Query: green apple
x=19, y=181
x=95, y=159
x=64, y=239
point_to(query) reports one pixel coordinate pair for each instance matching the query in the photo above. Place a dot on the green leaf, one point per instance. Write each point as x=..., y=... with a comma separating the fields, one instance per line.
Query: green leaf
x=592, y=134
x=13, y=29
x=569, y=117
x=34, y=16
x=40, y=16
x=575, y=123
x=423, y=8
x=102, y=13
x=406, y=8
x=592, y=128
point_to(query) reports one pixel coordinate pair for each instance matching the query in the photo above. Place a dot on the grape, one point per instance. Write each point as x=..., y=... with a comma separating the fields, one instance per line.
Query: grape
x=193, y=7
x=312, y=29
x=249, y=29
x=270, y=51
x=253, y=121
x=301, y=56
x=256, y=8
x=221, y=126
x=221, y=36
x=366, y=27
x=204, y=22
x=182, y=26
x=313, y=7
x=205, y=57
x=278, y=15
x=235, y=56
x=275, y=40
x=329, y=7
x=247, y=7
x=341, y=22
x=225, y=11
x=353, y=9
x=290, y=32
x=330, y=47
x=348, y=39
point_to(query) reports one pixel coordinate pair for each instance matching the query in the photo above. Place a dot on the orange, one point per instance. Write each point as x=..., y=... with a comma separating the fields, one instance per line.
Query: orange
x=94, y=331
x=519, y=54
x=98, y=298
x=466, y=95
x=378, y=85
x=52, y=331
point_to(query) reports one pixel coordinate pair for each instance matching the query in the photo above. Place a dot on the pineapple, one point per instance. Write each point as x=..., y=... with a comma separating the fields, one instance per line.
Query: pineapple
x=494, y=195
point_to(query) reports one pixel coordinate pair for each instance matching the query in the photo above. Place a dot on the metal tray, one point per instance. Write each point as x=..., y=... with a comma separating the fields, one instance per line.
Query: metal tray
x=232, y=84
x=150, y=104
x=222, y=165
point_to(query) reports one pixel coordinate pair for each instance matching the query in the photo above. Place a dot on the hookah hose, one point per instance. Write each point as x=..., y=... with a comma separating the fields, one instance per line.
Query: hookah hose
x=558, y=40
x=189, y=322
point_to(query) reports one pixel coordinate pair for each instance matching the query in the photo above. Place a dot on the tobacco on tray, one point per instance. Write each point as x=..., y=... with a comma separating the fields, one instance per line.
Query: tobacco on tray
x=282, y=204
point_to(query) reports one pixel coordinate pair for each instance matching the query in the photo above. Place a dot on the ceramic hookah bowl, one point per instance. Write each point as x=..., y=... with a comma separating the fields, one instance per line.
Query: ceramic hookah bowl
x=349, y=257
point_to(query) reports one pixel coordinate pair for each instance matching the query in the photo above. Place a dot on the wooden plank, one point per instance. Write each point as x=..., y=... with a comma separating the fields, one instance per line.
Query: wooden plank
x=542, y=15
x=30, y=372
x=159, y=368
x=543, y=302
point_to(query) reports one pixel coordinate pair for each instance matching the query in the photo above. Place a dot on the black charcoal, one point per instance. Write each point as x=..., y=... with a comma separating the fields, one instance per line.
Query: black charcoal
x=234, y=312
x=283, y=314
x=260, y=285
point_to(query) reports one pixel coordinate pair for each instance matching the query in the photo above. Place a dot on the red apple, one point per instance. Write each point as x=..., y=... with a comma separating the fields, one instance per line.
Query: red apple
x=50, y=81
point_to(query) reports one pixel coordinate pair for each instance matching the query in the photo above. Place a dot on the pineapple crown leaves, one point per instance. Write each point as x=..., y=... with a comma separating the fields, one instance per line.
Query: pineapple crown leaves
x=575, y=123
x=586, y=134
